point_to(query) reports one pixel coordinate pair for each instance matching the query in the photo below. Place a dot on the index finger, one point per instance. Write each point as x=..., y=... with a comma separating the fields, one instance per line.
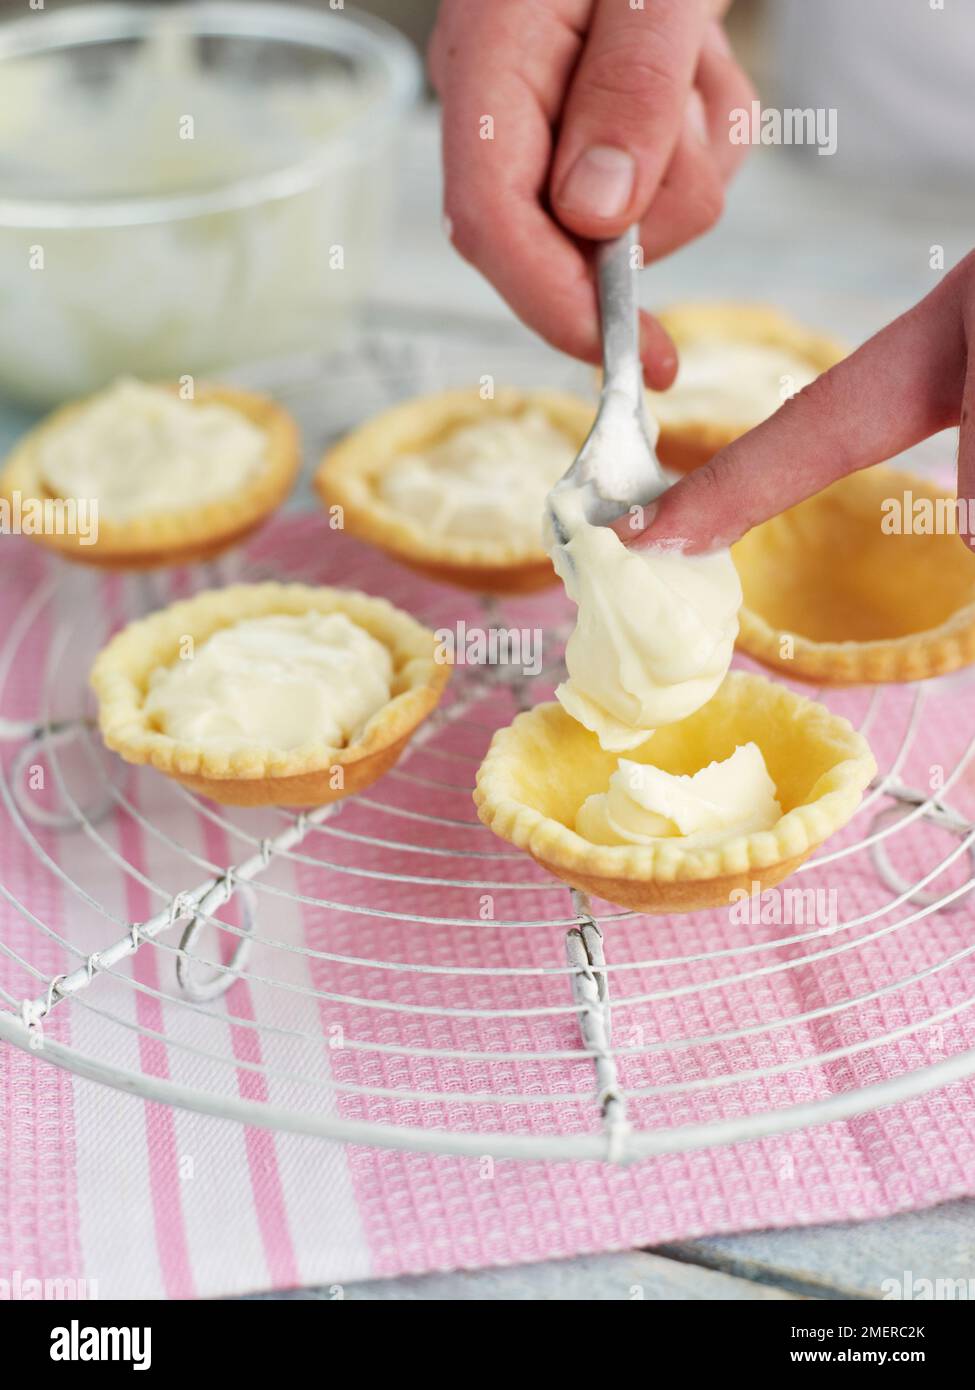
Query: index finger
x=902, y=385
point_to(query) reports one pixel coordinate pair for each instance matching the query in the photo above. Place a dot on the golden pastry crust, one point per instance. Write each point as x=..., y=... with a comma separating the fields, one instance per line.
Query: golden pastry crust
x=829, y=597
x=348, y=475
x=186, y=534
x=540, y=769
x=264, y=777
x=686, y=444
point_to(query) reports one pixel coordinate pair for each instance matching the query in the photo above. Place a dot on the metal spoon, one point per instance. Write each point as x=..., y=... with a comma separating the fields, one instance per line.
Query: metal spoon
x=617, y=467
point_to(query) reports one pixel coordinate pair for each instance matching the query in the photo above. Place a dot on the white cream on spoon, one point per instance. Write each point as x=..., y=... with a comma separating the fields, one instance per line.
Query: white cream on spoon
x=654, y=634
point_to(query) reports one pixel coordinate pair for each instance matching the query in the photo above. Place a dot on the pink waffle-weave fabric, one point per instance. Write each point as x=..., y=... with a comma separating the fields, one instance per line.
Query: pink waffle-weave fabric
x=125, y=1197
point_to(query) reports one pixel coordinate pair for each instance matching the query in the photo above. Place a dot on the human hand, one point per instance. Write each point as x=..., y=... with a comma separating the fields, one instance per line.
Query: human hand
x=913, y=378
x=599, y=115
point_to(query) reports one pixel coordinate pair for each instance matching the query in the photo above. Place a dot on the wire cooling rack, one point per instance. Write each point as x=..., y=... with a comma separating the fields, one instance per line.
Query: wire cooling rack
x=384, y=971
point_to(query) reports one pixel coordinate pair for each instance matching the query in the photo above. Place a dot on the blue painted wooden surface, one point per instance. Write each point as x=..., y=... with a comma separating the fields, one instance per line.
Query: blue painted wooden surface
x=636, y=1275
x=862, y=1260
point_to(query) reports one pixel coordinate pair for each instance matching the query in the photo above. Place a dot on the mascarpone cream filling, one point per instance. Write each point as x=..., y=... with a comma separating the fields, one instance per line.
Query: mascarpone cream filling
x=276, y=682
x=486, y=481
x=729, y=382
x=654, y=633
x=645, y=804
x=139, y=449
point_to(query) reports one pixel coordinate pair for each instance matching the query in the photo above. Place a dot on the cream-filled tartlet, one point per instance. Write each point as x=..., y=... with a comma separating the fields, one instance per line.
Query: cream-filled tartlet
x=455, y=485
x=140, y=448
x=545, y=767
x=737, y=364
x=483, y=481
x=736, y=382
x=269, y=694
x=270, y=682
x=159, y=479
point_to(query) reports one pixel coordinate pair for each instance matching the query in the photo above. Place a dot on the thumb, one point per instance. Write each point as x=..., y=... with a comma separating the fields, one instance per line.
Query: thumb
x=624, y=112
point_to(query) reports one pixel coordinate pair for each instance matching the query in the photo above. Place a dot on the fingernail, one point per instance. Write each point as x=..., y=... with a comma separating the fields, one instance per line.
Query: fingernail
x=600, y=183
x=696, y=116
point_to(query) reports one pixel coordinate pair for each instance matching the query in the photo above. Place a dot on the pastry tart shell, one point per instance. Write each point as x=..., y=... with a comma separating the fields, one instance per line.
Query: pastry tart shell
x=686, y=444
x=830, y=597
x=349, y=473
x=540, y=769
x=310, y=775
x=183, y=535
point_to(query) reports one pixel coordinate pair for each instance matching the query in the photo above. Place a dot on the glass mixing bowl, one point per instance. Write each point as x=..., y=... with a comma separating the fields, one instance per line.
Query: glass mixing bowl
x=188, y=188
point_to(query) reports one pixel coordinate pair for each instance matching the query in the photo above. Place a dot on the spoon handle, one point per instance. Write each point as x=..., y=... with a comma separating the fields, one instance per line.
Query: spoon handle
x=616, y=275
